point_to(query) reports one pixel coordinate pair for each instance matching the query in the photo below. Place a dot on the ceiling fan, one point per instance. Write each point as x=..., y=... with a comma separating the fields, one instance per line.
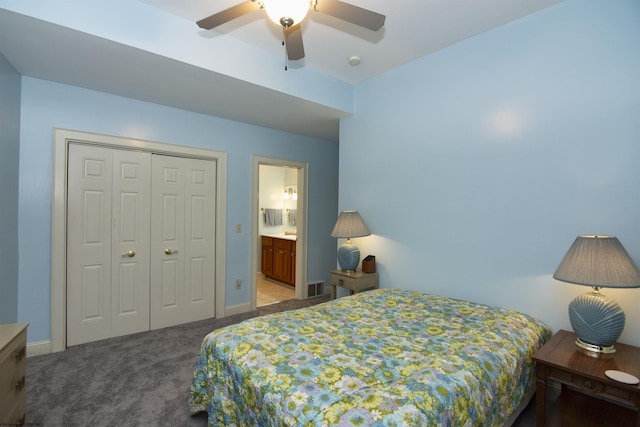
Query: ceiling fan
x=289, y=14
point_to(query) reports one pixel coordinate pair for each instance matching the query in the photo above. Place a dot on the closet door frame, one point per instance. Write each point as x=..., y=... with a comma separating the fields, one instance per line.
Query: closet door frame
x=62, y=139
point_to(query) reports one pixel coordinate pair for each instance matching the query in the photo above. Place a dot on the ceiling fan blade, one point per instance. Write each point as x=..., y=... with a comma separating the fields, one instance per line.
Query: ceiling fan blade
x=293, y=42
x=350, y=13
x=228, y=14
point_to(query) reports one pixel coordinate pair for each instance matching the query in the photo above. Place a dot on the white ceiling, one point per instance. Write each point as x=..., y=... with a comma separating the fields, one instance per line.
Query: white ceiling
x=70, y=54
x=413, y=28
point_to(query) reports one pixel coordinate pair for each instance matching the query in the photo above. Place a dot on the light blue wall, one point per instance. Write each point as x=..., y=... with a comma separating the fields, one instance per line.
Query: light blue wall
x=9, y=155
x=47, y=105
x=477, y=166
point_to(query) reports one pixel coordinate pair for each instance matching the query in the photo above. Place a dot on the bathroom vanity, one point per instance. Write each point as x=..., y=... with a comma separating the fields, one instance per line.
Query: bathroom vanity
x=279, y=258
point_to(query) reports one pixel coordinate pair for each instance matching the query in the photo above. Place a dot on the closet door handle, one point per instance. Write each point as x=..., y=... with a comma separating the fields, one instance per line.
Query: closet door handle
x=130, y=254
x=169, y=251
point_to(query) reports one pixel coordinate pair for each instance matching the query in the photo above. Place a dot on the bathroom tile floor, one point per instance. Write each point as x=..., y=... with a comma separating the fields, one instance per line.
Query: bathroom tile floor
x=270, y=291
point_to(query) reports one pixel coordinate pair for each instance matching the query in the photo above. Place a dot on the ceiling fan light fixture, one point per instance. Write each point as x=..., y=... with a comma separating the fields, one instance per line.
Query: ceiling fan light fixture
x=286, y=12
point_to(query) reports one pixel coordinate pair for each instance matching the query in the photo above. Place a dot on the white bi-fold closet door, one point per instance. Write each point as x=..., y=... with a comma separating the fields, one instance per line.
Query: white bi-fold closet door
x=140, y=242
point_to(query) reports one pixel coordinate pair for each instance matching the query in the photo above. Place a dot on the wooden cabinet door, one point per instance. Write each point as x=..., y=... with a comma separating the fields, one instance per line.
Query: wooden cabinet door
x=292, y=277
x=267, y=260
x=287, y=264
x=279, y=267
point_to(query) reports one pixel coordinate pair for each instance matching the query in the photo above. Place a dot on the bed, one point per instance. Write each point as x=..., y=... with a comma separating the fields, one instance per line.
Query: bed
x=387, y=357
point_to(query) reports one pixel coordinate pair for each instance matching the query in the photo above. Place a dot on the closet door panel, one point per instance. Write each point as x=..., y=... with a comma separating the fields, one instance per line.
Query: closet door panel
x=182, y=242
x=167, y=241
x=131, y=235
x=88, y=244
x=200, y=239
x=170, y=284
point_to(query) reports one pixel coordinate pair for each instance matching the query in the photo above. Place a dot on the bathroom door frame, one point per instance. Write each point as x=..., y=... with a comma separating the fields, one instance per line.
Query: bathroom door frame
x=301, y=223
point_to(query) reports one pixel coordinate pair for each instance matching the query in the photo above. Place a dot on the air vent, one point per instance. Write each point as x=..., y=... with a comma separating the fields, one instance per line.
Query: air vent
x=315, y=289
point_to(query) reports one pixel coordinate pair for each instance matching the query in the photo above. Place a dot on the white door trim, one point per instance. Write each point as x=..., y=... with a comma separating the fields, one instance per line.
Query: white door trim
x=301, y=221
x=62, y=138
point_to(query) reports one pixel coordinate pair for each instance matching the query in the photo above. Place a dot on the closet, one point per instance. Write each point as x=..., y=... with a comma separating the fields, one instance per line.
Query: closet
x=140, y=241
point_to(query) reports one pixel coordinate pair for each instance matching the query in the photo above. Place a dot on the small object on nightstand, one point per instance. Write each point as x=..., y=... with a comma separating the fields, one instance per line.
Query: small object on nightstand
x=621, y=377
x=369, y=264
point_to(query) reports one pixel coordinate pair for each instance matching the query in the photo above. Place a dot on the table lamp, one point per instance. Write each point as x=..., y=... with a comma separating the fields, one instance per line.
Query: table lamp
x=599, y=262
x=349, y=224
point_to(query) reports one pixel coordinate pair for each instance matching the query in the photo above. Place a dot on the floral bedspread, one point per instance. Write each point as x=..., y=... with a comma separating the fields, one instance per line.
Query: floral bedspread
x=386, y=357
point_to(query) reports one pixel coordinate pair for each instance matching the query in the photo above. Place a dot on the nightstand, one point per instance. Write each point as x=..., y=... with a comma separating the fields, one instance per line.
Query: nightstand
x=588, y=397
x=355, y=281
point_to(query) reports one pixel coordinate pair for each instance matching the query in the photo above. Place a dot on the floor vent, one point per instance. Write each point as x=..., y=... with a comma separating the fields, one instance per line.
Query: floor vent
x=315, y=289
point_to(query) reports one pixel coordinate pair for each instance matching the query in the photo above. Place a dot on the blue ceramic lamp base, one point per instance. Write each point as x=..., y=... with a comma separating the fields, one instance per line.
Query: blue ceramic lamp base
x=348, y=256
x=597, y=321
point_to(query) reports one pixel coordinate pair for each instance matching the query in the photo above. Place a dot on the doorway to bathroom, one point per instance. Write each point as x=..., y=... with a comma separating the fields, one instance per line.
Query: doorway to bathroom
x=278, y=230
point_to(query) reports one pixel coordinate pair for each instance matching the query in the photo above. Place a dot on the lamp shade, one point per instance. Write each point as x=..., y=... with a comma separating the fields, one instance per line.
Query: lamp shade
x=350, y=224
x=599, y=261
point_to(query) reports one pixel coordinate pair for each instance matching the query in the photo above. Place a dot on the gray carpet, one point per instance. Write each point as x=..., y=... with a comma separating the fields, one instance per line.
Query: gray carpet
x=136, y=380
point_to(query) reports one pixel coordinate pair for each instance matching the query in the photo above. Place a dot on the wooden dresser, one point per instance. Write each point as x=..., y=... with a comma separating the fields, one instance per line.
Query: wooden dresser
x=13, y=369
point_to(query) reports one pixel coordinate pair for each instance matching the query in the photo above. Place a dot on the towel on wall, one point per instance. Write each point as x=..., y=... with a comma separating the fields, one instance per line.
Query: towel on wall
x=273, y=217
x=292, y=217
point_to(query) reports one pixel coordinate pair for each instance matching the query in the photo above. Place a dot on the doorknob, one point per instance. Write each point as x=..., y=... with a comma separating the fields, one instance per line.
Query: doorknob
x=170, y=251
x=130, y=254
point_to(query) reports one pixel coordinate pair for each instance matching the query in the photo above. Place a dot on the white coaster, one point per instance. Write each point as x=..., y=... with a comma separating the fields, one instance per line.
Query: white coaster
x=622, y=377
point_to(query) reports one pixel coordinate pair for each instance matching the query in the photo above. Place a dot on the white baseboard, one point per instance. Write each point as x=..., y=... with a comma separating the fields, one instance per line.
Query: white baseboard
x=38, y=348
x=237, y=309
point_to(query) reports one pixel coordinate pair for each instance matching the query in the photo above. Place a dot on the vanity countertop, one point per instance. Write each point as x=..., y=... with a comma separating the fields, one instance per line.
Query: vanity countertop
x=283, y=236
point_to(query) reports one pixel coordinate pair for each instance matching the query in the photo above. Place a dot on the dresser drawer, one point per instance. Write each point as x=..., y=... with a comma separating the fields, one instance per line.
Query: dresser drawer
x=12, y=386
x=577, y=381
x=344, y=281
x=13, y=355
x=355, y=282
x=13, y=368
x=267, y=241
x=18, y=414
x=592, y=386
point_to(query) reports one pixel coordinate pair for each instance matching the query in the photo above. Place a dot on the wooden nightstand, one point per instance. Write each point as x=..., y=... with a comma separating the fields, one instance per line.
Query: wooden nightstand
x=355, y=281
x=588, y=397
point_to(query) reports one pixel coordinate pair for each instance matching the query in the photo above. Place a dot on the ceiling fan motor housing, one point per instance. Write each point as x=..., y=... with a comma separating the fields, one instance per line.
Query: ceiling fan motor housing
x=286, y=21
